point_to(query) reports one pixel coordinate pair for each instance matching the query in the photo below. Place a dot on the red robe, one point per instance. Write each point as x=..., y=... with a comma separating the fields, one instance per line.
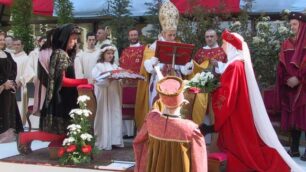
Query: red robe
x=292, y=100
x=131, y=58
x=170, y=145
x=238, y=137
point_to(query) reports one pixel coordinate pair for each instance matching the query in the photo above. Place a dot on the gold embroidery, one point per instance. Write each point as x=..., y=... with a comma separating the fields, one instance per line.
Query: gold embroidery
x=169, y=140
x=221, y=99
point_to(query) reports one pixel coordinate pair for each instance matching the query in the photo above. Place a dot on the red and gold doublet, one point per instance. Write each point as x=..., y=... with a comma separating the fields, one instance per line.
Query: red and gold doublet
x=207, y=54
x=169, y=144
x=131, y=58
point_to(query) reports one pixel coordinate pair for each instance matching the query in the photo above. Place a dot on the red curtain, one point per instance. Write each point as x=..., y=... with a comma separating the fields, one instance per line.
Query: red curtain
x=40, y=7
x=211, y=6
x=6, y=2
x=43, y=7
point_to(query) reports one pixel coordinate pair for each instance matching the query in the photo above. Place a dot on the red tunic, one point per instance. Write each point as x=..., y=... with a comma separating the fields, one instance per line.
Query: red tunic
x=238, y=137
x=207, y=54
x=131, y=58
x=292, y=100
x=169, y=145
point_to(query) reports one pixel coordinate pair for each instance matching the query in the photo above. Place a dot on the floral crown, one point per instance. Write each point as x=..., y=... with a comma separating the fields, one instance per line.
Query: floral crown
x=232, y=39
x=108, y=48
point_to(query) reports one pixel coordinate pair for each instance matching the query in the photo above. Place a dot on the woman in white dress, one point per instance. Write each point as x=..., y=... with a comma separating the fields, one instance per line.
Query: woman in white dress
x=108, y=120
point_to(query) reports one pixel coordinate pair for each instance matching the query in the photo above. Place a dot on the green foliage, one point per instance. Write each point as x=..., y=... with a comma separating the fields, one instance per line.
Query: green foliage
x=192, y=29
x=152, y=18
x=21, y=15
x=63, y=9
x=194, y=23
x=79, y=146
x=120, y=22
x=265, y=47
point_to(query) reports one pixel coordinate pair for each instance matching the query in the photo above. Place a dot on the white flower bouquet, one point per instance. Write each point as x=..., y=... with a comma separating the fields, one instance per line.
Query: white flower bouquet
x=204, y=82
x=79, y=145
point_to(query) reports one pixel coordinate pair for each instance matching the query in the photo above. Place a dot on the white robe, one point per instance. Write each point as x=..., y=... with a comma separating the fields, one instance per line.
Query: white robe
x=33, y=58
x=24, y=74
x=84, y=63
x=108, y=120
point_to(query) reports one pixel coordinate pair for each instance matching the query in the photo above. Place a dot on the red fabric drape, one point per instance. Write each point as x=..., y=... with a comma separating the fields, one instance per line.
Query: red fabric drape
x=40, y=7
x=43, y=7
x=212, y=6
x=234, y=122
x=6, y=2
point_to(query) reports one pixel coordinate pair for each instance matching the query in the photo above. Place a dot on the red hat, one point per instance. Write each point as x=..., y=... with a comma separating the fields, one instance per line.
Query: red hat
x=170, y=91
x=232, y=39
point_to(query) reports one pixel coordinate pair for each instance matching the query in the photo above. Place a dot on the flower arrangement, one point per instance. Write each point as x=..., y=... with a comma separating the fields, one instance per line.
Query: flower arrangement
x=204, y=82
x=78, y=147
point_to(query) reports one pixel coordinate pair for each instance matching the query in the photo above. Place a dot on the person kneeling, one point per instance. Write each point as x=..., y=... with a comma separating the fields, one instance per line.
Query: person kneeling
x=166, y=142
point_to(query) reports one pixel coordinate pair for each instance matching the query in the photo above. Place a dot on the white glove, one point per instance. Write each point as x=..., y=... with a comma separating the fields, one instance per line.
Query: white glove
x=187, y=68
x=150, y=63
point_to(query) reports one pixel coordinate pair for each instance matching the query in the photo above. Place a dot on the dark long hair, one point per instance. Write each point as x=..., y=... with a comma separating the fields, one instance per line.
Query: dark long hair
x=48, y=43
x=101, y=56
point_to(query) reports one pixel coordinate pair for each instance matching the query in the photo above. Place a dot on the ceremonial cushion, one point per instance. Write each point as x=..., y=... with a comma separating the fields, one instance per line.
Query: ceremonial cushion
x=217, y=162
x=217, y=156
x=86, y=86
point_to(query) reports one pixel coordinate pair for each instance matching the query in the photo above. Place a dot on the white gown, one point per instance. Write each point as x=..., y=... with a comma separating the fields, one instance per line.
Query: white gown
x=24, y=74
x=108, y=120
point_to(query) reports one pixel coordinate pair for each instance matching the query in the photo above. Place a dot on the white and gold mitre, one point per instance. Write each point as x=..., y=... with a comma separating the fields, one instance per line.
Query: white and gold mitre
x=168, y=16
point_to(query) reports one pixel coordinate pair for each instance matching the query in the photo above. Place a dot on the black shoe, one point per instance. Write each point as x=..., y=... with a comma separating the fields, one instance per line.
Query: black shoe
x=293, y=153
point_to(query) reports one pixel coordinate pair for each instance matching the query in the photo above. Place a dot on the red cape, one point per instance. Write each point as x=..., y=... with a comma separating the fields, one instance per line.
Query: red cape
x=234, y=122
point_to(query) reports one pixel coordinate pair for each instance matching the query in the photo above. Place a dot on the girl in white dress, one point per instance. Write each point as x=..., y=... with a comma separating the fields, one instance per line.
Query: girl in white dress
x=108, y=120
